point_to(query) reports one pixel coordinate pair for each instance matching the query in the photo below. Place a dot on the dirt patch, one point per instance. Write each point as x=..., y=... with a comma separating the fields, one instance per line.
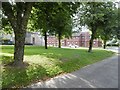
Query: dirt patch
x=64, y=59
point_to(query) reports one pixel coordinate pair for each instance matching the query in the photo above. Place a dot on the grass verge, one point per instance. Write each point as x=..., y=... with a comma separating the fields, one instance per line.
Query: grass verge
x=44, y=64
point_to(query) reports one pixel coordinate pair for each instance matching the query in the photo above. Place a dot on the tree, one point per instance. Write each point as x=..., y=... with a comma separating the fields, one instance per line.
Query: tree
x=62, y=20
x=46, y=13
x=110, y=24
x=92, y=15
x=18, y=14
x=62, y=25
x=117, y=29
x=41, y=16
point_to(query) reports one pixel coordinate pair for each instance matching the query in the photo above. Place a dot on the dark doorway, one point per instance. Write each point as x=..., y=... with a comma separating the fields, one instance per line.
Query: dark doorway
x=33, y=40
x=65, y=42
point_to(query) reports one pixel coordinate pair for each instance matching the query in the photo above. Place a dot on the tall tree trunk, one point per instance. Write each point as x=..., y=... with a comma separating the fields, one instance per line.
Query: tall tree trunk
x=92, y=38
x=45, y=38
x=19, y=48
x=59, y=40
x=104, y=46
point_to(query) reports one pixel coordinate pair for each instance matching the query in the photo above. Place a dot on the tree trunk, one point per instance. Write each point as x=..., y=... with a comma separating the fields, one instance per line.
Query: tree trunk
x=45, y=38
x=92, y=38
x=104, y=46
x=59, y=40
x=18, y=16
x=19, y=48
x=91, y=44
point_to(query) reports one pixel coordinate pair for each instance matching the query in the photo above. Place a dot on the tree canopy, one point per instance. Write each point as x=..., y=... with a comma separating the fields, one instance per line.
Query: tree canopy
x=95, y=15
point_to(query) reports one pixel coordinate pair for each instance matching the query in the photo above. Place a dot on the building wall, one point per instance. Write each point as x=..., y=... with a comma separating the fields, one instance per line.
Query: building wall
x=52, y=41
x=31, y=38
x=28, y=38
x=37, y=39
x=34, y=38
x=75, y=40
x=80, y=40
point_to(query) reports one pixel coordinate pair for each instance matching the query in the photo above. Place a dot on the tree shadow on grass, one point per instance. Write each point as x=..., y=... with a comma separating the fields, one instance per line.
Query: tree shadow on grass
x=20, y=77
x=63, y=55
x=14, y=77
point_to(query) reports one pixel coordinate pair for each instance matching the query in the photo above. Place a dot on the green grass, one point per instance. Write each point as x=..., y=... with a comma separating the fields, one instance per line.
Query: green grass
x=45, y=63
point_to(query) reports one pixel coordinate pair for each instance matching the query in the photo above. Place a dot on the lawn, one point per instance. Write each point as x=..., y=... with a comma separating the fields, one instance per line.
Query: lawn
x=44, y=64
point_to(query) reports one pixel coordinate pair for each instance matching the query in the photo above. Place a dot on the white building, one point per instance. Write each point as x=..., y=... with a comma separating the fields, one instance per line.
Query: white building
x=34, y=38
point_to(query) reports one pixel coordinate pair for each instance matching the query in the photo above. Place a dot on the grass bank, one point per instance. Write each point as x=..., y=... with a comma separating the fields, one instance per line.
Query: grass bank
x=44, y=64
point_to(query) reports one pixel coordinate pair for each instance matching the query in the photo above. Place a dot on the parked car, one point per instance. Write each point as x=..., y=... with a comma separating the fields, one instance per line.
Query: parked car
x=7, y=42
x=113, y=44
x=28, y=44
x=73, y=46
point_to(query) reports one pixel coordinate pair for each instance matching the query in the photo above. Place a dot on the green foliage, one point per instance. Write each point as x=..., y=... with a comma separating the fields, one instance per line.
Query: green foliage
x=62, y=23
x=92, y=14
x=116, y=28
x=103, y=15
x=53, y=19
x=110, y=23
x=99, y=17
x=44, y=64
x=44, y=15
x=6, y=27
x=41, y=15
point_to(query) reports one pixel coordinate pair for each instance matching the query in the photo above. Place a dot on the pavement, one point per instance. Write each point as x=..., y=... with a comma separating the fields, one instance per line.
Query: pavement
x=114, y=49
x=103, y=74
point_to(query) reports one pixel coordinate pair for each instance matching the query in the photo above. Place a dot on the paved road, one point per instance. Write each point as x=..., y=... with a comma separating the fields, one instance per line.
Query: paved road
x=103, y=74
x=114, y=49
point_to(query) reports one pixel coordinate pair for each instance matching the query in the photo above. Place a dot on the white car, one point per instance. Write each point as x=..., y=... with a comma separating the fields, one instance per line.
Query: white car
x=73, y=46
